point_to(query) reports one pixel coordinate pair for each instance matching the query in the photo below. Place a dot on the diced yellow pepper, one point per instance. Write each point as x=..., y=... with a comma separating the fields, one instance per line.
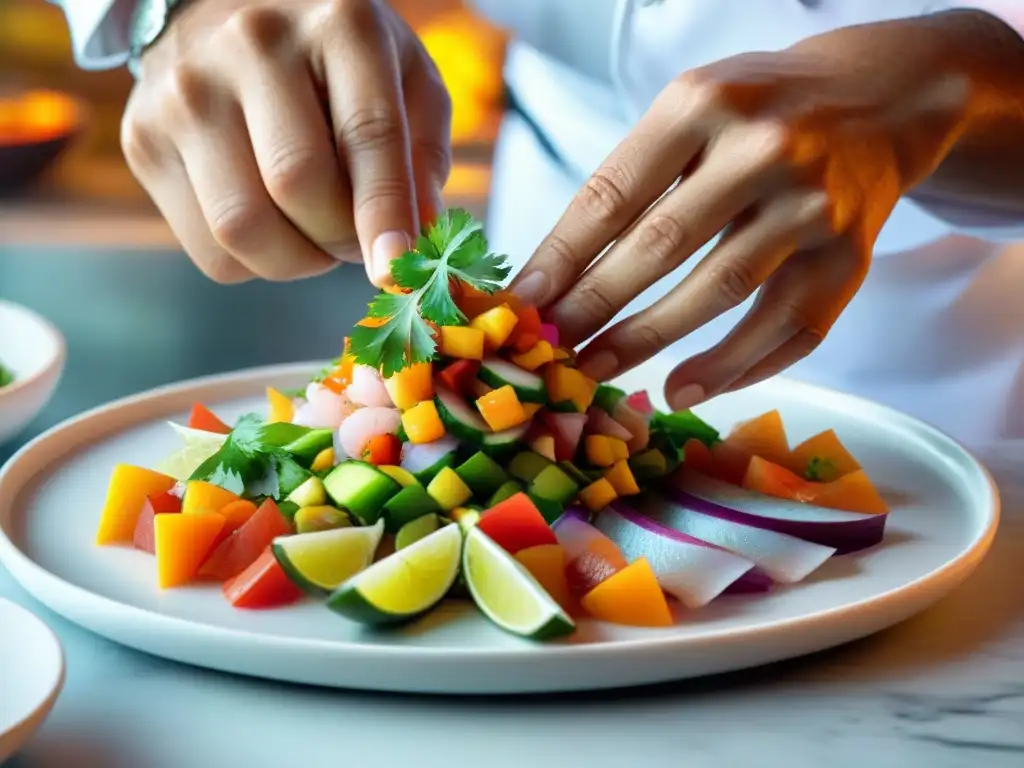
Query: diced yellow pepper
x=621, y=478
x=620, y=450
x=531, y=409
x=497, y=325
x=324, y=460
x=462, y=342
x=281, y=406
x=566, y=384
x=501, y=408
x=598, y=495
x=598, y=449
x=400, y=475
x=422, y=423
x=411, y=385
x=539, y=354
x=448, y=490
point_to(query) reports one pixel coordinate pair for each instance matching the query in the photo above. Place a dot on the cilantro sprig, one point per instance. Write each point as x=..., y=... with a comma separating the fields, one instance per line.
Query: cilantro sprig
x=452, y=249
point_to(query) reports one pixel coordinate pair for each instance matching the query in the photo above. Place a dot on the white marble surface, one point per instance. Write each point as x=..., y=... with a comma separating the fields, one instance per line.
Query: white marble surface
x=943, y=690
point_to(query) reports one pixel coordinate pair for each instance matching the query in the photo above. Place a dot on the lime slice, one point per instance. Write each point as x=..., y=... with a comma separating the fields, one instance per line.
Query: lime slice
x=508, y=594
x=416, y=529
x=320, y=561
x=199, y=446
x=405, y=584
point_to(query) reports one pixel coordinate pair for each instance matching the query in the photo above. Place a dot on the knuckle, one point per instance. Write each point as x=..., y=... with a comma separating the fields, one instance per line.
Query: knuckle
x=357, y=15
x=606, y=193
x=734, y=282
x=385, y=192
x=437, y=158
x=565, y=255
x=290, y=169
x=597, y=298
x=371, y=128
x=260, y=27
x=698, y=91
x=236, y=223
x=651, y=337
x=662, y=238
x=807, y=339
x=188, y=91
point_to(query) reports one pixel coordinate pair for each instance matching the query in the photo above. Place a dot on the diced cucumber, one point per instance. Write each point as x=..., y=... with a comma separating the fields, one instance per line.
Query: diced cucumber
x=527, y=465
x=482, y=474
x=529, y=387
x=504, y=444
x=564, y=406
x=555, y=485
x=310, y=494
x=459, y=418
x=305, y=448
x=575, y=473
x=360, y=488
x=507, y=490
x=416, y=529
x=648, y=465
x=550, y=510
x=406, y=505
x=607, y=397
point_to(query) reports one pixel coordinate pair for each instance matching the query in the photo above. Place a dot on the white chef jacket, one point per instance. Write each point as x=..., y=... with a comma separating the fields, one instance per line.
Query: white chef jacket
x=937, y=330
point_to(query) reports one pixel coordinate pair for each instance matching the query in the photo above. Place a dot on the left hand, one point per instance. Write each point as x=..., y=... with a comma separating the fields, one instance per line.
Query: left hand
x=798, y=160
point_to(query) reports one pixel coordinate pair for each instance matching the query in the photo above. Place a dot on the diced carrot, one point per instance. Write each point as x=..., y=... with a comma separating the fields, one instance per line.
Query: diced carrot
x=201, y=496
x=697, y=456
x=826, y=452
x=459, y=374
x=282, y=409
x=763, y=436
x=538, y=355
x=516, y=524
x=161, y=504
x=205, y=419
x=413, y=384
x=128, y=488
x=852, y=492
x=598, y=495
x=632, y=597
x=462, y=342
x=264, y=584
x=235, y=553
x=546, y=563
x=182, y=543
x=774, y=480
x=497, y=325
x=501, y=408
x=422, y=424
x=621, y=478
x=384, y=449
x=528, y=330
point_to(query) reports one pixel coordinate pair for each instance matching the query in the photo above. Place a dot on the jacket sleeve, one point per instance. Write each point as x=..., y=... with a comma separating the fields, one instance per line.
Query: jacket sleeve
x=99, y=31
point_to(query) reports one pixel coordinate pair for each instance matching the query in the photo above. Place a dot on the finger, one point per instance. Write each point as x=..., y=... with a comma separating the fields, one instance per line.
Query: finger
x=730, y=180
x=428, y=109
x=363, y=80
x=726, y=277
x=632, y=178
x=218, y=157
x=290, y=134
x=791, y=317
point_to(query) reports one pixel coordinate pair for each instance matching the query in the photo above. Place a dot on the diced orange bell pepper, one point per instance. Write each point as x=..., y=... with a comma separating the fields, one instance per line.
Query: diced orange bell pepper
x=852, y=492
x=528, y=330
x=201, y=496
x=763, y=436
x=497, y=325
x=128, y=488
x=462, y=342
x=413, y=384
x=598, y=450
x=632, y=597
x=205, y=419
x=501, y=408
x=282, y=409
x=538, y=355
x=621, y=478
x=182, y=543
x=531, y=409
x=567, y=385
x=598, y=495
x=422, y=424
x=546, y=563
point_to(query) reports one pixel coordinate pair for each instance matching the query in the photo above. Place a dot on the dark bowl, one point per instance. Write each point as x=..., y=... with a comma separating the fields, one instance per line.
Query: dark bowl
x=22, y=164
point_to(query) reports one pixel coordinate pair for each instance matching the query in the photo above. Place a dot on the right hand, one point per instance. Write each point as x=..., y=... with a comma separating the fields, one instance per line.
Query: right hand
x=279, y=138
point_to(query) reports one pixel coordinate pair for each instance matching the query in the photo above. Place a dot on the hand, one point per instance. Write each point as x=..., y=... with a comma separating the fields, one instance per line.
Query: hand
x=279, y=138
x=795, y=159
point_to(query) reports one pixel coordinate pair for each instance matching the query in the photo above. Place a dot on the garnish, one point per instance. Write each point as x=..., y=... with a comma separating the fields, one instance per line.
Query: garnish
x=821, y=470
x=671, y=431
x=6, y=376
x=453, y=249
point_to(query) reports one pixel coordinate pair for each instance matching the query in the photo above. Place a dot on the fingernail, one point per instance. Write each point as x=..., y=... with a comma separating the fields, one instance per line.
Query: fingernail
x=686, y=397
x=533, y=288
x=601, y=366
x=386, y=248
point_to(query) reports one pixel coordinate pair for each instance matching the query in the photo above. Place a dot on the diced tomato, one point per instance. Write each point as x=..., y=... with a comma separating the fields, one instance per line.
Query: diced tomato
x=238, y=551
x=459, y=375
x=773, y=480
x=528, y=330
x=384, y=450
x=730, y=462
x=262, y=585
x=697, y=457
x=205, y=419
x=160, y=504
x=516, y=524
x=640, y=402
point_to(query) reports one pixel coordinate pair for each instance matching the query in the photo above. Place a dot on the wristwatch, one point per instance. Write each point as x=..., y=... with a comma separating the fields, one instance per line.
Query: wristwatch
x=149, y=20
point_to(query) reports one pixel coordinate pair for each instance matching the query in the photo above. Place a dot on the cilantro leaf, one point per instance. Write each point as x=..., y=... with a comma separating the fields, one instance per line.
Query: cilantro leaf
x=821, y=470
x=403, y=340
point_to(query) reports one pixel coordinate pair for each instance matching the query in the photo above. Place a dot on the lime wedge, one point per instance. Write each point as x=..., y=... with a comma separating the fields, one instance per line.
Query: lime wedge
x=508, y=594
x=403, y=585
x=199, y=446
x=320, y=561
x=416, y=529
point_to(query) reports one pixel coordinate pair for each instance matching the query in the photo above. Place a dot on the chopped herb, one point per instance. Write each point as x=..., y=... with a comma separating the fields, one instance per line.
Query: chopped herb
x=452, y=249
x=821, y=470
x=6, y=376
x=607, y=397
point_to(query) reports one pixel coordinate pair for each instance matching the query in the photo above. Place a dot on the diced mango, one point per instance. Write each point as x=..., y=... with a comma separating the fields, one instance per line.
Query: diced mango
x=449, y=490
x=422, y=423
x=497, y=325
x=400, y=475
x=323, y=461
x=621, y=478
x=536, y=356
x=567, y=385
x=632, y=597
x=531, y=409
x=462, y=342
x=501, y=408
x=182, y=543
x=546, y=563
x=598, y=450
x=598, y=495
x=620, y=449
x=411, y=385
x=128, y=489
x=281, y=406
x=201, y=496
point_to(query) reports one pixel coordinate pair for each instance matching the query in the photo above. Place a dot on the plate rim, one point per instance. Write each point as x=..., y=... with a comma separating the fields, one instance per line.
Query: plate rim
x=28, y=573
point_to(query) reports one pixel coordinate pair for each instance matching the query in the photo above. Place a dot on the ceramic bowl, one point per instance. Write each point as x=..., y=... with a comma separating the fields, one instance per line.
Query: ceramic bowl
x=34, y=350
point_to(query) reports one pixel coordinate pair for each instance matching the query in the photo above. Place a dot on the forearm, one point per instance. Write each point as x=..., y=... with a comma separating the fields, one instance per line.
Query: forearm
x=972, y=65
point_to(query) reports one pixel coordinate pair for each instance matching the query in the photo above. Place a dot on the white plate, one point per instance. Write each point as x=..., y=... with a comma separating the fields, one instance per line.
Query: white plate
x=944, y=517
x=32, y=671
x=34, y=350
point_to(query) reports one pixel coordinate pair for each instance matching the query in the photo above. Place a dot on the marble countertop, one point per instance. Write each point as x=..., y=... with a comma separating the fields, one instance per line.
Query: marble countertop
x=943, y=690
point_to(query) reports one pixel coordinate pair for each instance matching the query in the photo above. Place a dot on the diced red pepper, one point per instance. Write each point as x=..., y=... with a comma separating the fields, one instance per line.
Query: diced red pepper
x=238, y=551
x=516, y=524
x=262, y=585
x=205, y=419
x=528, y=330
x=159, y=504
x=459, y=375
x=384, y=450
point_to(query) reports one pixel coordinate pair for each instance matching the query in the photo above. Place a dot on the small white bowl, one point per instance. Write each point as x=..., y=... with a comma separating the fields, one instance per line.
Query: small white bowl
x=34, y=350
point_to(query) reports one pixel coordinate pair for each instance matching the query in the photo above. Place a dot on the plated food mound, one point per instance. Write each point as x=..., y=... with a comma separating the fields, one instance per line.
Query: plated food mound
x=454, y=451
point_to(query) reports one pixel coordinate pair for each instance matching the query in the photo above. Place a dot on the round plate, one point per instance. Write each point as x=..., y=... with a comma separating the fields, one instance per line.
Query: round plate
x=32, y=670
x=945, y=511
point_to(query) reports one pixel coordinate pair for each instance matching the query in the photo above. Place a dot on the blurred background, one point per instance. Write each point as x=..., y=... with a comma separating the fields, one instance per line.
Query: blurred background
x=62, y=177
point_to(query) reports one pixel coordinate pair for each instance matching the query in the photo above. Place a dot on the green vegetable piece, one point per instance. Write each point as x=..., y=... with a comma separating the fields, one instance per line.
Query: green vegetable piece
x=648, y=465
x=6, y=376
x=821, y=470
x=310, y=494
x=507, y=490
x=606, y=397
x=555, y=485
x=306, y=447
x=549, y=509
x=407, y=505
x=360, y=488
x=577, y=474
x=527, y=465
x=482, y=474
